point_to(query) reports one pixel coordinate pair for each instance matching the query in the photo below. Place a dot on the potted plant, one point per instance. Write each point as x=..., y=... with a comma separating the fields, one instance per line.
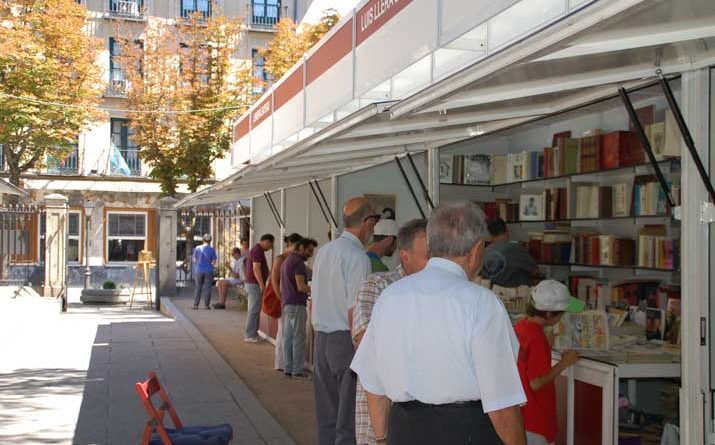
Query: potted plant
x=108, y=294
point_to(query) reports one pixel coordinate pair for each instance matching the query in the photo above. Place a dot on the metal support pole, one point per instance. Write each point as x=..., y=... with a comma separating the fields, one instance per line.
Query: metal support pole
x=646, y=145
x=409, y=186
x=274, y=210
x=687, y=138
x=425, y=192
x=325, y=201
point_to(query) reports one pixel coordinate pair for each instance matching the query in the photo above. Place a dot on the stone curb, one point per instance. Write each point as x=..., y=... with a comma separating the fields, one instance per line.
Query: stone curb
x=265, y=425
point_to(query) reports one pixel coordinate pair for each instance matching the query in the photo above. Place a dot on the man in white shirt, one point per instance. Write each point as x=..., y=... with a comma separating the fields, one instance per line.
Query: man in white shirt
x=438, y=359
x=339, y=269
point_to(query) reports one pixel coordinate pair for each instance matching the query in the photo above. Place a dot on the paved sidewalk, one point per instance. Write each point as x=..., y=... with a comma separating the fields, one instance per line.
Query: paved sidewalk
x=289, y=401
x=70, y=378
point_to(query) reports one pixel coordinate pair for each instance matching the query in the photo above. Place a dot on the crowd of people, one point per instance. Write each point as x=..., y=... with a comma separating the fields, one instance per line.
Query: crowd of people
x=415, y=355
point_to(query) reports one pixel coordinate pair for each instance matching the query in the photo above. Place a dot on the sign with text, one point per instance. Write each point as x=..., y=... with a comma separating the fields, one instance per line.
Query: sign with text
x=376, y=13
x=262, y=111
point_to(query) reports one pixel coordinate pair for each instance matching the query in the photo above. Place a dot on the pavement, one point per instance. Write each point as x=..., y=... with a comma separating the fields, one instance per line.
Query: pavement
x=69, y=378
x=289, y=401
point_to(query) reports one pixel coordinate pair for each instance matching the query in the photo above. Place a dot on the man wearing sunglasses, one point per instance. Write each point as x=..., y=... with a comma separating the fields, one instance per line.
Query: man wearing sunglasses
x=339, y=269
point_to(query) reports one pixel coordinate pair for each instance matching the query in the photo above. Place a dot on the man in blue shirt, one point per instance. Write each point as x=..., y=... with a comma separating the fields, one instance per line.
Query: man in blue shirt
x=203, y=259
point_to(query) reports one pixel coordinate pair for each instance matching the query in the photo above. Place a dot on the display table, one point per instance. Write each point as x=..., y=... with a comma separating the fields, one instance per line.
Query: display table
x=588, y=392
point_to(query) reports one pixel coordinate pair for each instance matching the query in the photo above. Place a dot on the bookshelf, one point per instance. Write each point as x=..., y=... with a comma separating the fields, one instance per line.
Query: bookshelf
x=569, y=216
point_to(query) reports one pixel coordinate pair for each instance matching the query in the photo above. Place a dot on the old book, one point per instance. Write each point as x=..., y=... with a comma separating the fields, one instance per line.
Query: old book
x=605, y=202
x=477, y=169
x=563, y=204
x=621, y=200
x=646, y=116
x=611, y=146
x=646, y=244
x=606, y=243
x=591, y=153
x=632, y=152
x=656, y=138
x=570, y=154
x=446, y=169
x=673, y=140
x=548, y=162
x=585, y=331
x=498, y=169
x=516, y=167
x=559, y=136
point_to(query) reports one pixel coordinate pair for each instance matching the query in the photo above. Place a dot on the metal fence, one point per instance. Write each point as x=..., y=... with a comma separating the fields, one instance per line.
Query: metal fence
x=21, y=257
x=226, y=227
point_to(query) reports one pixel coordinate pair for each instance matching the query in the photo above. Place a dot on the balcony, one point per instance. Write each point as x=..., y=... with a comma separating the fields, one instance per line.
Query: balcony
x=66, y=166
x=264, y=15
x=126, y=9
x=131, y=158
x=117, y=87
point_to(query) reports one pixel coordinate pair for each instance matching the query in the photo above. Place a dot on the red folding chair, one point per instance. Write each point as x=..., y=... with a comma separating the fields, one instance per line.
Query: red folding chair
x=155, y=433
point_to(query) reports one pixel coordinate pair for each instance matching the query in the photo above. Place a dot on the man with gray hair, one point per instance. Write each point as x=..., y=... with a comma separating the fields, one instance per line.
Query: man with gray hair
x=412, y=249
x=339, y=269
x=438, y=359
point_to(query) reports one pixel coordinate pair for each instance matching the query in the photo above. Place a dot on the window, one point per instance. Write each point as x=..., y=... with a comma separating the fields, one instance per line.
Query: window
x=126, y=236
x=202, y=225
x=259, y=71
x=124, y=159
x=74, y=236
x=265, y=13
x=189, y=7
x=117, y=82
x=68, y=165
x=131, y=9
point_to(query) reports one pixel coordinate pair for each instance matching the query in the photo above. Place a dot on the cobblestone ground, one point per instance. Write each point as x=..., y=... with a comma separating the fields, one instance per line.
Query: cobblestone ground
x=69, y=378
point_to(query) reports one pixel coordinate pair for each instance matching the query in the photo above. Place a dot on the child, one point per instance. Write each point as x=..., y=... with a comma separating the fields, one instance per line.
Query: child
x=549, y=300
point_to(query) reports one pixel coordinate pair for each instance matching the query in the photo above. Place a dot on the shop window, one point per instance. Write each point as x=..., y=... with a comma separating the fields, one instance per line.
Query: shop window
x=126, y=236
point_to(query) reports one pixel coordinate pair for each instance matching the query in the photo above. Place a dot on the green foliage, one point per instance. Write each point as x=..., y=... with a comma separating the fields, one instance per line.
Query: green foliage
x=109, y=284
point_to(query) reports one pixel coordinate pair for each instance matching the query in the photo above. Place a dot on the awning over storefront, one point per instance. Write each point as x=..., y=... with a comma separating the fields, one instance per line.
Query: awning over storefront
x=8, y=189
x=580, y=56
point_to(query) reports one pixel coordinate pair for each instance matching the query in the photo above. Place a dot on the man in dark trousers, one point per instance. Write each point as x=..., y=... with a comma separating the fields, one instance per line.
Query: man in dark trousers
x=339, y=269
x=256, y=280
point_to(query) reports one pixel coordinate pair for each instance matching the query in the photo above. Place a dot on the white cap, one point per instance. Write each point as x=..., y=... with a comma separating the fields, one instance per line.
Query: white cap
x=386, y=227
x=552, y=295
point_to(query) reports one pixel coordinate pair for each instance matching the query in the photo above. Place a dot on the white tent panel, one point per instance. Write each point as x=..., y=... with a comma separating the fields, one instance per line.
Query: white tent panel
x=330, y=91
x=296, y=210
x=261, y=140
x=459, y=16
x=395, y=46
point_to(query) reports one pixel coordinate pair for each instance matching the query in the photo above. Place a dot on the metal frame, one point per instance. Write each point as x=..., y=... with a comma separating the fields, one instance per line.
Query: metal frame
x=409, y=187
x=274, y=210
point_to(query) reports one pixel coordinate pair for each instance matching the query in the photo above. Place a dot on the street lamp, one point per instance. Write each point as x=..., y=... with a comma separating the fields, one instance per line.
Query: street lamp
x=88, y=210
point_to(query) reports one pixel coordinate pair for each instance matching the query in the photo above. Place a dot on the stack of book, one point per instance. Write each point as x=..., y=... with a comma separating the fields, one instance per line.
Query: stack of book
x=567, y=155
x=649, y=197
x=593, y=201
x=656, y=250
x=550, y=247
x=602, y=250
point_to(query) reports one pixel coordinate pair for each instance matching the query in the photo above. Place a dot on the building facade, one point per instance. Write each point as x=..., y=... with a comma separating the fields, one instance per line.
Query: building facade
x=111, y=197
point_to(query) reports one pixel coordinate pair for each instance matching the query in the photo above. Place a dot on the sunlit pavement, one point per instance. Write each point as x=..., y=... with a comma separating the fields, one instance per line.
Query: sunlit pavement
x=69, y=378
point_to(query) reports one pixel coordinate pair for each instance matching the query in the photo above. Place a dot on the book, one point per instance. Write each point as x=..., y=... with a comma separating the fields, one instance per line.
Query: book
x=446, y=172
x=673, y=139
x=477, y=169
x=585, y=331
x=516, y=167
x=671, y=333
x=620, y=200
x=611, y=144
x=570, y=150
x=498, y=169
x=656, y=138
x=591, y=147
x=531, y=207
x=632, y=152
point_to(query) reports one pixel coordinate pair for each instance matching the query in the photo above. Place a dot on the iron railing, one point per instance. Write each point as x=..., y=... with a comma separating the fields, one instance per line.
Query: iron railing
x=227, y=229
x=126, y=9
x=264, y=16
x=131, y=157
x=68, y=165
x=20, y=261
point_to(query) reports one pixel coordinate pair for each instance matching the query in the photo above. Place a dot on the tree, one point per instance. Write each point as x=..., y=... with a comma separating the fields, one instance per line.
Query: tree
x=184, y=90
x=46, y=59
x=290, y=43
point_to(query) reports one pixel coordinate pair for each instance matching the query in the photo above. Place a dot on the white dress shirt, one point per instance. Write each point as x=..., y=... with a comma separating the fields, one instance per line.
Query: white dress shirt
x=339, y=269
x=438, y=338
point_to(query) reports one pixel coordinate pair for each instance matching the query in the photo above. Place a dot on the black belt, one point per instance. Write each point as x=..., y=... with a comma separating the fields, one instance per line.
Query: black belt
x=466, y=404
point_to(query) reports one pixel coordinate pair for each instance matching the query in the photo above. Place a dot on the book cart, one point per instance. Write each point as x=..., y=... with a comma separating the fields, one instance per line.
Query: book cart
x=608, y=225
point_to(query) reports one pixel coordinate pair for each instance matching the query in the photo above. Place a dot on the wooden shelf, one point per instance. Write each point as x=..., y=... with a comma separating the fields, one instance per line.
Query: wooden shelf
x=635, y=219
x=550, y=178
